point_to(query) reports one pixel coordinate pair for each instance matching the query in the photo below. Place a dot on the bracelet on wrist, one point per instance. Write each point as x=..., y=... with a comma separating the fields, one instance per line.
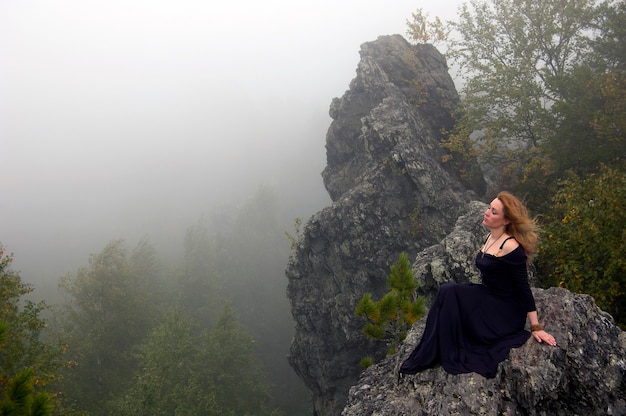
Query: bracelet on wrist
x=536, y=327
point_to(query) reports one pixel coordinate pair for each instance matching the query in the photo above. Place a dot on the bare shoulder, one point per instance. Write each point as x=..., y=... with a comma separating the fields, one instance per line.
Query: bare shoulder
x=508, y=245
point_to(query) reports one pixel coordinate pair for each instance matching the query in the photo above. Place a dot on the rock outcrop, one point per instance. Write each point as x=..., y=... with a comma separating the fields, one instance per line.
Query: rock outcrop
x=391, y=193
x=583, y=375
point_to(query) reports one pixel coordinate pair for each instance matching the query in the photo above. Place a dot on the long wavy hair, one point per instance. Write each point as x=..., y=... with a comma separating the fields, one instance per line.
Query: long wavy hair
x=520, y=225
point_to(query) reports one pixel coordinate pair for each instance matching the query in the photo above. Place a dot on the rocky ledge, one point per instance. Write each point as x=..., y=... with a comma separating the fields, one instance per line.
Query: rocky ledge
x=583, y=375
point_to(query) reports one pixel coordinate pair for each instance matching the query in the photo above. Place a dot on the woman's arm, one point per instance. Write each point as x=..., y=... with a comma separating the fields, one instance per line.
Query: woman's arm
x=540, y=335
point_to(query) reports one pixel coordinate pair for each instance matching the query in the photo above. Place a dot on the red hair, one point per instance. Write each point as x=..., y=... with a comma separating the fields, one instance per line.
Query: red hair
x=520, y=225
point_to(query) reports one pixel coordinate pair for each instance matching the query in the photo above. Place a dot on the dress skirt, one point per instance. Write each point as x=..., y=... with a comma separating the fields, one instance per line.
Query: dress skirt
x=468, y=329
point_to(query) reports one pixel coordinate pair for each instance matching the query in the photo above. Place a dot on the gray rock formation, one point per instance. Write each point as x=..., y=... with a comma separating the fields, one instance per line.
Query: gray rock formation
x=391, y=193
x=585, y=374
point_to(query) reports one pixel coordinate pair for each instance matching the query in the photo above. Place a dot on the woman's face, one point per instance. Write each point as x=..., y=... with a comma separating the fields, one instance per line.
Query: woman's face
x=494, y=216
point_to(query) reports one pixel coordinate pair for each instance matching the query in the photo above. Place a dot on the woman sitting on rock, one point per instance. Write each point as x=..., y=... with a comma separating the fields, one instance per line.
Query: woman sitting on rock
x=472, y=327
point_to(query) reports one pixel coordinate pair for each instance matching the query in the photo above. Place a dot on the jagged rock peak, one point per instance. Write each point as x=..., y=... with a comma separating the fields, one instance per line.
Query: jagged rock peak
x=584, y=375
x=391, y=193
x=400, y=91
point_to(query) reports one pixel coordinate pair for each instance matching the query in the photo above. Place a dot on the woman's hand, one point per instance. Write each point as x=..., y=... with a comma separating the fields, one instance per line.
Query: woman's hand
x=543, y=336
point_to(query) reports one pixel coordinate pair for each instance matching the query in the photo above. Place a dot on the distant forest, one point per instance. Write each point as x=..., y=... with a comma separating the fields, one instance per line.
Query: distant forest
x=543, y=108
x=134, y=336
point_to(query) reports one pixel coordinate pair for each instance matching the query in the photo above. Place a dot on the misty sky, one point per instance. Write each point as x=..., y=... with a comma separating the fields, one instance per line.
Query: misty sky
x=125, y=118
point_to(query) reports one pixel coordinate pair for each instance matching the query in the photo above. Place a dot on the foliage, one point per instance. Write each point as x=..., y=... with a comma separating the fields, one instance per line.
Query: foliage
x=239, y=380
x=593, y=112
x=163, y=384
x=20, y=398
x=251, y=257
x=391, y=317
x=366, y=362
x=113, y=318
x=293, y=238
x=422, y=30
x=212, y=373
x=201, y=284
x=417, y=227
x=108, y=314
x=517, y=57
x=25, y=359
x=585, y=239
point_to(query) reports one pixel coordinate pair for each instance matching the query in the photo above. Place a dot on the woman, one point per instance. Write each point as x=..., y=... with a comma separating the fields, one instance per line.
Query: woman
x=471, y=327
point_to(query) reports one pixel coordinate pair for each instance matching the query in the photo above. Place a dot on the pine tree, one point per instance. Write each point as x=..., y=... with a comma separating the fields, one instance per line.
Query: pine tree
x=20, y=399
x=391, y=317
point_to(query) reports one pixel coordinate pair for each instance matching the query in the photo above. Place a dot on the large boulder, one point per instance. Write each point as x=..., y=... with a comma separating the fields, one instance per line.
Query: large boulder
x=583, y=375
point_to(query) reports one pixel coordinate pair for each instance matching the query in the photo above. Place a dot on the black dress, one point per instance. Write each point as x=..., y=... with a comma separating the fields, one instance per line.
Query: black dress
x=471, y=327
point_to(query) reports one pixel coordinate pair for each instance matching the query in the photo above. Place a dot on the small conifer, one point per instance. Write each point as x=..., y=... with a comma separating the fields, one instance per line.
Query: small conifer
x=390, y=318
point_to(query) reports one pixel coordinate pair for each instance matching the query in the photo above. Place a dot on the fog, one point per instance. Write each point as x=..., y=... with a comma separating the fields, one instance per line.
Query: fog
x=134, y=118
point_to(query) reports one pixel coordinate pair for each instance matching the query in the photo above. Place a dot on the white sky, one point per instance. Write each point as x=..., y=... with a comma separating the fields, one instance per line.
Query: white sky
x=119, y=117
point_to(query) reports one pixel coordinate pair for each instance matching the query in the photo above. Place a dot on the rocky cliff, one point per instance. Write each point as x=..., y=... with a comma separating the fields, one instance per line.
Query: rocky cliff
x=391, y=193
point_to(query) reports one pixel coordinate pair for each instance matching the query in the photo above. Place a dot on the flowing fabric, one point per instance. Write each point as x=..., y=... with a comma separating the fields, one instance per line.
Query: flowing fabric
x=472, y=327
